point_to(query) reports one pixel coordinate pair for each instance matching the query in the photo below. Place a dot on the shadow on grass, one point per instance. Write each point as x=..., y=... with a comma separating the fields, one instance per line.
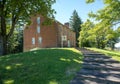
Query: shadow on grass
x=96, y=70
x=45, y=66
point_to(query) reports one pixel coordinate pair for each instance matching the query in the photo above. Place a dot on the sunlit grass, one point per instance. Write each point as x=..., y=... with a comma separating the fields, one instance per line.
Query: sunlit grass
x=43, y=66
x=9, y=81
x=114, y=54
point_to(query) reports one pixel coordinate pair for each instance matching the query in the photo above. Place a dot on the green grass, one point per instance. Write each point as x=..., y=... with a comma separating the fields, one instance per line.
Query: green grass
x=44, y=66
x=114, y=54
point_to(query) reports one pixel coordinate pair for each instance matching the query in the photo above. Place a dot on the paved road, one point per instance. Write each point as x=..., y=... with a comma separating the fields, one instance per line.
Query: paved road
x=97, y=69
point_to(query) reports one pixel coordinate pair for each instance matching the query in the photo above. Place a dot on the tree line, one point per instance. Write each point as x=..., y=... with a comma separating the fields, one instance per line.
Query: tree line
x=88, y=34
x=102, y=34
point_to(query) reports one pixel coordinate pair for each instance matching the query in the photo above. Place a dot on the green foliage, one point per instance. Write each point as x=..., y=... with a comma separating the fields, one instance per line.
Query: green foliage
x=107, y=1
x=44, y=66
x=19, y=47
x=113, y=38
x=84, y=38
x=14, y=11
x=75, y=25
x=97, y=35
x=118, y=31
x=89, y=1
x=12, y=42
x=107, y=18
x=110, y=13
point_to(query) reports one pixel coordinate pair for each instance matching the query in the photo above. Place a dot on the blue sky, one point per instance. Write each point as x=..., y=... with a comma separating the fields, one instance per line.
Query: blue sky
x=64, y=9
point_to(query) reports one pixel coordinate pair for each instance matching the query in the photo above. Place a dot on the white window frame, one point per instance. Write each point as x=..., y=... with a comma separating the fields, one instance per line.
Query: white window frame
x=64, y=37
x=33, y=40
x=40, y=40
x=38, y=20
x=38, y=29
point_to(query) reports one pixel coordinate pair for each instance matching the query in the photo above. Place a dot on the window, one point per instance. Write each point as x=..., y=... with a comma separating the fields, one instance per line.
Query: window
x=38, y=20
x=33, y=40
x=38, y=29
x=40, y=40
x=64, y=38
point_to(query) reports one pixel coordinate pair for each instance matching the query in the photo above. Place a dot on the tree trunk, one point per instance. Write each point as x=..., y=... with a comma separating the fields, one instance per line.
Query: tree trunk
x=112, y=46
x=102, y=45
x=3, y=35
x=4, y=38
x=97, y=43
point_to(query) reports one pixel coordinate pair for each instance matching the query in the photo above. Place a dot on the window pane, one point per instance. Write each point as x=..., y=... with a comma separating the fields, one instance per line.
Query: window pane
x=38, y=20
x=64, y=37
x=40, y=40
x=33, y=40
x=38, y=29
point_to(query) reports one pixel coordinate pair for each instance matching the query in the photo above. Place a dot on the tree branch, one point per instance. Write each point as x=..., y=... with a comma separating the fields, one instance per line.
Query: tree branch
x=14, y=19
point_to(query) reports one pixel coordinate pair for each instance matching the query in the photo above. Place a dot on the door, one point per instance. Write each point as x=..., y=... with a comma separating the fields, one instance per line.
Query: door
x=69, y=43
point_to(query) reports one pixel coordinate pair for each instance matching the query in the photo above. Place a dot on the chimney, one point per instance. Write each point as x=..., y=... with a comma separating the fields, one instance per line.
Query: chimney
x=66, y=24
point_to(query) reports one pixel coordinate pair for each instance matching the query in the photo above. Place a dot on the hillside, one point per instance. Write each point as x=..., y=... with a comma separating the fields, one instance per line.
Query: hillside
x=44, y=66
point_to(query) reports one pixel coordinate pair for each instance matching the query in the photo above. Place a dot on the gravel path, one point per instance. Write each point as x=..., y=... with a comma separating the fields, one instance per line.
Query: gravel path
x=97, y=69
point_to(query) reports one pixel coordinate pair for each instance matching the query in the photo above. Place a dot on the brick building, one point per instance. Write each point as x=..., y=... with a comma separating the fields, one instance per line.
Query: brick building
x=37, y=35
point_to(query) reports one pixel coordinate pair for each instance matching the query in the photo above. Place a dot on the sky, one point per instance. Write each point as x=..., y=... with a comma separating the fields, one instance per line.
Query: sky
x=64, y=9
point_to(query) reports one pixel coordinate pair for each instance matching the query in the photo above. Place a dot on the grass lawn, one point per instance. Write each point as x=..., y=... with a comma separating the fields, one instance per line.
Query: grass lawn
x=44, y=66
x=114, y=54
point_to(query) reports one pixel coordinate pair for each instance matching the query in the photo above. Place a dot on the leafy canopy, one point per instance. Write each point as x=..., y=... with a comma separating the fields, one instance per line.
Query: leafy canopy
x=102, y=33
x=110, y=14
x=15, y=12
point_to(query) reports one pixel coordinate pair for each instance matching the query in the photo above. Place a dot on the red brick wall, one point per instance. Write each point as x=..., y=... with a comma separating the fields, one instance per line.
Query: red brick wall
x=48, y=34
x=51, y=35
x=64, y=30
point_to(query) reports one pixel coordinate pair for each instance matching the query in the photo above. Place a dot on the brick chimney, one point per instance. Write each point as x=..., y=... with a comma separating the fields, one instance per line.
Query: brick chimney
x=66, y=24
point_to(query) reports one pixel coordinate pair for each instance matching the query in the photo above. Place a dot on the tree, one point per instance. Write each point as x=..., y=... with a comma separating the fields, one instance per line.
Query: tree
x=107, y=18
x=113, y=37
x=75, y=25
x=84, y=40
x=118, y=31
x=20, y=11
x=110, y=13
x=12, y=42
x=99, y=32
x=17, y=44
x=19, y=47
x=97, y=35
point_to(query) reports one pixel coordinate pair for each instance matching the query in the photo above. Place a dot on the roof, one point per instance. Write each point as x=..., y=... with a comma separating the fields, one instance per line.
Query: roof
x=63, y=25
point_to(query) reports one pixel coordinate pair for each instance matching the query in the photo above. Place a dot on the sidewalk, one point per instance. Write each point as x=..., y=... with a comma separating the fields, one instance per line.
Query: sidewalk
x=97, y=69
